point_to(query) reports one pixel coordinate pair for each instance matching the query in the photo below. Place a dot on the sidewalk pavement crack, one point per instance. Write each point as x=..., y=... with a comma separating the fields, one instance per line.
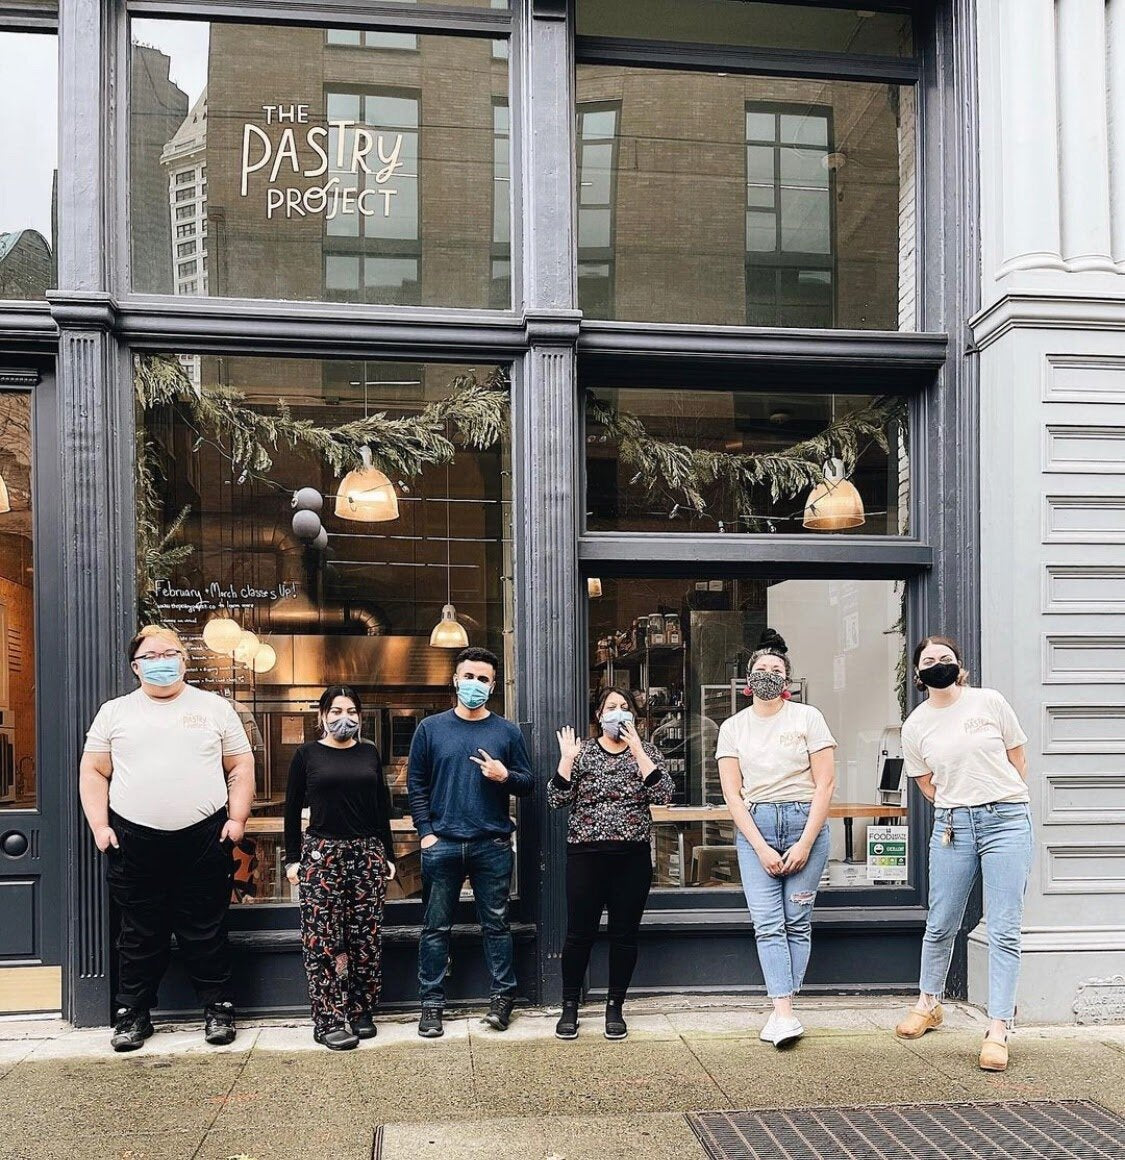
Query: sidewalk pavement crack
x=223, y=1102
x=706, y=1070
x=905, y=1044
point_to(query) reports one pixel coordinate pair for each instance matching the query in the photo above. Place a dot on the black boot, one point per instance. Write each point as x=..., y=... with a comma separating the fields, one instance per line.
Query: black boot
x=337, y=1039
x=567, y=1026
x=364, y=1026
x=218, y=1024
x=131, y=1027
x=615, y=1026
x=429, y=1025
x=499, y=1012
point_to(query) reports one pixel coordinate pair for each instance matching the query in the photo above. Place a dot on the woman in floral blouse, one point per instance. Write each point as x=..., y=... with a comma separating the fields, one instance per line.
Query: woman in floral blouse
x=609, y=782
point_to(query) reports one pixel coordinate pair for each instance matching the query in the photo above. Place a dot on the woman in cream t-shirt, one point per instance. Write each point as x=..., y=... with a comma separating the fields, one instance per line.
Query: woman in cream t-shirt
x=965, y=748
x=777, y=768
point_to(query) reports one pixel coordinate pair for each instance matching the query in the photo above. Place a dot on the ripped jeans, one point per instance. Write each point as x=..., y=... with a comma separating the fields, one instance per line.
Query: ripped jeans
x=781, y=908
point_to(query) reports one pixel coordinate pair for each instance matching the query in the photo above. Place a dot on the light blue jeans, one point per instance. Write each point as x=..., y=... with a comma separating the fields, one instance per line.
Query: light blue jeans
x=994, y=841
x=781, y=908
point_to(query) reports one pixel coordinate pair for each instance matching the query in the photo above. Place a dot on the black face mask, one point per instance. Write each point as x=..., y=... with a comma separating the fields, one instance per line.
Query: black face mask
x=939, y=676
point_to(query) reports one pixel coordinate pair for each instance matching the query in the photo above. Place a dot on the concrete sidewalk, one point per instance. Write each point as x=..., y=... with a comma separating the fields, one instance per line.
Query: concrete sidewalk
x=521, y=1095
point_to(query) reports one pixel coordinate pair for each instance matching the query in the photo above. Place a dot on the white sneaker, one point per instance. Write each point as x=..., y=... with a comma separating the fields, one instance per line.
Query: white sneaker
x=787, y=1029
x=766, y=1035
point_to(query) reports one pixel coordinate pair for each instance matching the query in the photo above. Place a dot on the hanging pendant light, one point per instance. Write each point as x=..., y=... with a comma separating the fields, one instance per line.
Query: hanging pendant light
x=366, y=494
x=247, y=647
x=222, y=633
x=5, y=502
x=834, y=505
x=264, y=659
x=449, y=632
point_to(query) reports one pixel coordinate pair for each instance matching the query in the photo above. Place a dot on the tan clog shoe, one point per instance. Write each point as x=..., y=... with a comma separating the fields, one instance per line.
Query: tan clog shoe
x=917, y=1023
x=994, y=1055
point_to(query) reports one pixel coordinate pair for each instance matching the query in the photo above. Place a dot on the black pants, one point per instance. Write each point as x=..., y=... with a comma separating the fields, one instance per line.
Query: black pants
x=615, y=881
x=167, y=882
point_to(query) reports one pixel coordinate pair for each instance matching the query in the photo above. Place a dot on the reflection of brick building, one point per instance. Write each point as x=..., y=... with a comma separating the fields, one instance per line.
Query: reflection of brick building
x=185, y=161
x=698, y=177
x=436, y=246
x=157, y=109
x=27, y=268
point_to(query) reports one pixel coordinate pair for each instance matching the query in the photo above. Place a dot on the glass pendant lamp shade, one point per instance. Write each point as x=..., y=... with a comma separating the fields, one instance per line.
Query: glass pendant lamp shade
x=222, y=633
x=5, y=502
x=449, y=632
x=246, y=648
x=264, y=659
x=834, y=505
x=366, y=494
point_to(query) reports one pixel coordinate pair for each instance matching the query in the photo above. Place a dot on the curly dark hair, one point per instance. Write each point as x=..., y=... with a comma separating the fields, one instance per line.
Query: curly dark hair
x=771, y=644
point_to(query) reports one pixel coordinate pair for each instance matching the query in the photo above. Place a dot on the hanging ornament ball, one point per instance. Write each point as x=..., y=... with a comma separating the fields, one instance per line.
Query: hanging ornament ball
x=308, y=499
x=321, y=541
x=306, y=525
x=222, y=633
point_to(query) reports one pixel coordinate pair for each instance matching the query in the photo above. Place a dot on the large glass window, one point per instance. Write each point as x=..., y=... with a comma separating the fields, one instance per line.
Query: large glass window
x=749, y=461
x=682, y=647
x=28, y=163
x=18, y=789
x=226, y=443
x=745, y=200
x=333, y=165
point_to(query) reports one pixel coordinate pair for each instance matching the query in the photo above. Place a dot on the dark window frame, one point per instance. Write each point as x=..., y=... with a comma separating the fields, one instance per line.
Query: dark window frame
x=598, y=255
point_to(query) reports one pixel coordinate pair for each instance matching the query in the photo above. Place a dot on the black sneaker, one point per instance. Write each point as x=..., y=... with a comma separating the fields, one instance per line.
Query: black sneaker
x=364, y=1026
x=567, y=1026
x=337, y=1039
x=499, y=1012
x=131, y=1027
x=429, y=1025
x=615, y=1026
x=218, y=1024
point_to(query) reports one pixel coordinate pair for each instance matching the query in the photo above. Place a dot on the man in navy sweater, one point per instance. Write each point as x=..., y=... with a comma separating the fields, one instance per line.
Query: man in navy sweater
x=464, y=766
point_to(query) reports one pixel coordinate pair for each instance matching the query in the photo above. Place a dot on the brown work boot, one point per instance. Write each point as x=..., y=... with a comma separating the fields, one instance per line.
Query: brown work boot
x=994, y=1055
x=917, y=1023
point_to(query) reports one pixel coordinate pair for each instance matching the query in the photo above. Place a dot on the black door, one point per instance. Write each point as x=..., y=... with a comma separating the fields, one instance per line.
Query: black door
x=31, y=781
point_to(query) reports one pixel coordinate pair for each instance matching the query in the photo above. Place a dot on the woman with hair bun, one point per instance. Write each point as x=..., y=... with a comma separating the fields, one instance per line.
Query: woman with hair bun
x=965, y=750
x=342, y=867
x=778, y=773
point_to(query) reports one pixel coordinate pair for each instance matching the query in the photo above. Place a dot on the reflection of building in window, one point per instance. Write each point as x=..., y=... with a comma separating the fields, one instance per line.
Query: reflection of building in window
x=357, y=38
x=372, y=246
x=789, y=242
x=157, y=108
x=597, y=158
x=26, y=265
x=500, y=292
x=184, y=159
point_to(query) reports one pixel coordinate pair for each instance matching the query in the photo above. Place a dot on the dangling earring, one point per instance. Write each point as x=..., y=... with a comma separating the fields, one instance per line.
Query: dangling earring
x=786, y=695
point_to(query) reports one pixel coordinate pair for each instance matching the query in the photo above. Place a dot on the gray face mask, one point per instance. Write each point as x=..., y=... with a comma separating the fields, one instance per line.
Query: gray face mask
x=766, y=686
x=342, y=729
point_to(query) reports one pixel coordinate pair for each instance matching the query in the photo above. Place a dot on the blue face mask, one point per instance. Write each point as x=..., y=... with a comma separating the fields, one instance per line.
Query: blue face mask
x=472, y=694
x=612, y=721
x=160, y=672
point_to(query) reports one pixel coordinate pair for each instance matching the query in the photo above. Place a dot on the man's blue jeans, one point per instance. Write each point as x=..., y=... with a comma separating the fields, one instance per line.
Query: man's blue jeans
x=996, y=842
x=781, y=908
x=487, y=863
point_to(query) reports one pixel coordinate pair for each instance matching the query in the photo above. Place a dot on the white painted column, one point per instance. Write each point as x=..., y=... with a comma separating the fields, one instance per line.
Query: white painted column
x=1115, y=71
x=1029, y=156
x=1083, y=135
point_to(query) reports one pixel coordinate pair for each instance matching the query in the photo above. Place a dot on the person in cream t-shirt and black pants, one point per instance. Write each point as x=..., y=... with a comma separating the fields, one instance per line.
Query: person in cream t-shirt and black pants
x=778, y=772
x=965, y=748
x=166, y=780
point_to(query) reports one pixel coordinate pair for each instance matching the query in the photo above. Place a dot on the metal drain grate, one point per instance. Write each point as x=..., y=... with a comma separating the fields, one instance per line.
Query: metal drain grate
x=1039, y=1130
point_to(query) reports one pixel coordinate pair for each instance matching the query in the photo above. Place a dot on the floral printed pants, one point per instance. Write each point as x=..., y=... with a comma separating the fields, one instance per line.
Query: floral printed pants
x=343, y=888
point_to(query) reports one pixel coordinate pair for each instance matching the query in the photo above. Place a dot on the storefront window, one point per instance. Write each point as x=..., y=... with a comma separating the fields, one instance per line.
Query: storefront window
x=682, y=647
x=751, y=25
x=745, y=200
x=28, y=163
x=343, y=165
x=18, y=787
x=226, y=444
x=745, y=461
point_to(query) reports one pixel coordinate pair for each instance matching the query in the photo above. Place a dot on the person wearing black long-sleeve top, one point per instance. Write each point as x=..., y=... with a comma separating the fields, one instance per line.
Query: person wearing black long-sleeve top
x=465, y=765
x=342, y=867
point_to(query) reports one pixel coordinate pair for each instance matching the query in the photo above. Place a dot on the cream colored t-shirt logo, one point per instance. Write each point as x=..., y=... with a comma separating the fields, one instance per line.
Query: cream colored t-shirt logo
x=977, y=725
x=794, y=740
x=194, y=721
